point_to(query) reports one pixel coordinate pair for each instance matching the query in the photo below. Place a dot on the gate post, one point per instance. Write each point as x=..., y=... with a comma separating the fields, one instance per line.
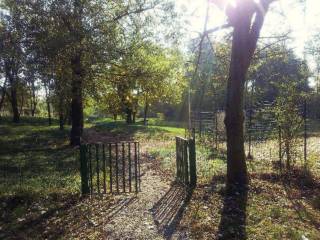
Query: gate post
x=193, y=166
x=185, y=162
x=84, y=170
x=178, y=159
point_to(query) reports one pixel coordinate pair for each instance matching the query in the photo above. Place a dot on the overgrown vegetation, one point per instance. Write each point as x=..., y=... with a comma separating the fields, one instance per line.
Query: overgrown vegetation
x=88, y=71
x=277, y=207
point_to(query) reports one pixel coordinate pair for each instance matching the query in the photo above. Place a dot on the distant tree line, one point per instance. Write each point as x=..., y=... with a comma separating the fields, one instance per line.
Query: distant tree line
x=113, y=55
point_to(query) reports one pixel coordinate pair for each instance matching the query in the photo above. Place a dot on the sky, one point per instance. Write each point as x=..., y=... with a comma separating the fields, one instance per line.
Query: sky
x=282, y=16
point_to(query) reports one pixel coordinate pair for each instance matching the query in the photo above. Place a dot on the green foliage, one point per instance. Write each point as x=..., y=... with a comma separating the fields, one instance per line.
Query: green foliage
x=146, y=75
x=272, y=69
x=45, y=37
x=289, y=119
x=208, y=84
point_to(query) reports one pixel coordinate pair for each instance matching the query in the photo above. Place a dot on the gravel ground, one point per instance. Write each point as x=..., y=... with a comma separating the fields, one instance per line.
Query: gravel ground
x=154, y=213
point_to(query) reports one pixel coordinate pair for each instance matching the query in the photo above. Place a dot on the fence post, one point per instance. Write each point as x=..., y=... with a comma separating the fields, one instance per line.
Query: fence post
x=177, y=157
x=117, y=168
x=193, y=166
x=280, y=149
x=110, y=166
x=129, y=163
x=136, y=166
x=123, y=170
x=139, y=169
x=104, y=168
x=185, y=162
x=194, y=133
x=84, y=170
x=98, y=167
x=200, y=124
x=90, y=169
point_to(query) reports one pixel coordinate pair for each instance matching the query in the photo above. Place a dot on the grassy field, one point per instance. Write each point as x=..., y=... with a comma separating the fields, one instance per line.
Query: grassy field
x=39, y=180
x=29, y=152
x=39, y=172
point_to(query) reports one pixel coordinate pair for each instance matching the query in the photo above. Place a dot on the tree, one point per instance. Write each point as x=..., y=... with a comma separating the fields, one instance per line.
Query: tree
x=313, y=50
x=12, y=52
x=289, y=118
x=3, y=94
x=246, y=17
x=273, y=67
x=208, y=86
x=162, y=79
x=85, y=36
x=144, y=76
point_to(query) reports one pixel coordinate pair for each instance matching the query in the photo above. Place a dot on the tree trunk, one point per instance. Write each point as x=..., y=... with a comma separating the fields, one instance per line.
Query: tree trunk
x=69, y=116
x=78, y=75
x=247, y=21
x=48, y=104
x=145, y=113
x=14, y=104
x=76, y=102
x=49, y=113
x=61, y=116
x=288, y=153
x=13, y=91
x=61, y=121
x=33, y=100
x=234, y=119
x=22, y=112
x=33, y=111
x=134, y=117
x=129, y=116
x=115, y=116
x=3, y=95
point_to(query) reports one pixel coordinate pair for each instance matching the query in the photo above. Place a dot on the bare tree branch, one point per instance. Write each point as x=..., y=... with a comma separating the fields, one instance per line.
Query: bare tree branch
x=217, y=28
x=261, y=9
x=128, y=12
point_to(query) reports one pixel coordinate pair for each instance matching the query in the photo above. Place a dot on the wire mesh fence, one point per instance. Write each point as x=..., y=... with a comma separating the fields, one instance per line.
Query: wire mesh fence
x=266, y=144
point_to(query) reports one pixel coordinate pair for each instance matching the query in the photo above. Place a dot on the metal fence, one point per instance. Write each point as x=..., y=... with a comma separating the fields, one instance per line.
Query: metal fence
x=110, y=167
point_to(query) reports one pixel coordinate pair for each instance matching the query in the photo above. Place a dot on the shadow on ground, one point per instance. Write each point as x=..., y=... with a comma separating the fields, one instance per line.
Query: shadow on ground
x=234, y=209
x=73, y=218
x=121, y=131
x=233, y=216
x=168, y=211
x=301, y=187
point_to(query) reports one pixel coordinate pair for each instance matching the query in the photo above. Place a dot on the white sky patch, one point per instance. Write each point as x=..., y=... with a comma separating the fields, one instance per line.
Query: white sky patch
x=283, y=15
x=303, y=20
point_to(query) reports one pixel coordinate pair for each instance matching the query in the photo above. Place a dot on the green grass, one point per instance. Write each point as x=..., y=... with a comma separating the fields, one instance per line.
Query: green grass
x=36, y=157
x=38, y=170
x=138, y=130
x=39, y=173
x=209, y=162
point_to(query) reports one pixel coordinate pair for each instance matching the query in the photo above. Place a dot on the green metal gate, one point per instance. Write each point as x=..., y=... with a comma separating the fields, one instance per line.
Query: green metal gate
x=186, y=161
x=110, y=167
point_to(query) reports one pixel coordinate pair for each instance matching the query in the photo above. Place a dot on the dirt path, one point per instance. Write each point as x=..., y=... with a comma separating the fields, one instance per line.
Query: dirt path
x=155, y=212
x=152, y=213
